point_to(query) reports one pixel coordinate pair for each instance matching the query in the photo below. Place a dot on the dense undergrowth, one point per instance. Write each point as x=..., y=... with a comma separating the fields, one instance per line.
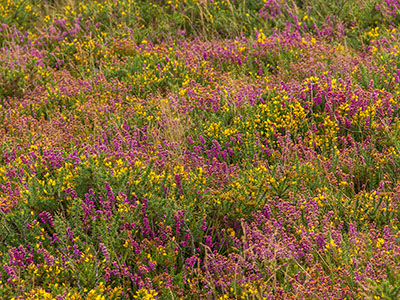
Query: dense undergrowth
x=198, y=149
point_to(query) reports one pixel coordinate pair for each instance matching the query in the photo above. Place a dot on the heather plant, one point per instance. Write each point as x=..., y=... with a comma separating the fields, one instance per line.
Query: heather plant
x=199, y=149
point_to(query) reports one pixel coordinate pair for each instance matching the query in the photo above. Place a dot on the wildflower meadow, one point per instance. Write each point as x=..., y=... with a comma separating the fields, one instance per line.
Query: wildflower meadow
x=199, y=149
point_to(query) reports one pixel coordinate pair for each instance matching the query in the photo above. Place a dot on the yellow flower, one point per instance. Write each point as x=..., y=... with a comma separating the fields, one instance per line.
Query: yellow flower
x=145, y=294
x=380, y=242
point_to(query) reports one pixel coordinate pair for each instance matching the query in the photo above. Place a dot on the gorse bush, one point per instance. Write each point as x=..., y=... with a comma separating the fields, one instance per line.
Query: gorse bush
x=188, y=149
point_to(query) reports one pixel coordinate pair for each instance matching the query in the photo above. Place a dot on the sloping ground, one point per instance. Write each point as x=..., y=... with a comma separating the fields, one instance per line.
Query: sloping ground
x=199, y=149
